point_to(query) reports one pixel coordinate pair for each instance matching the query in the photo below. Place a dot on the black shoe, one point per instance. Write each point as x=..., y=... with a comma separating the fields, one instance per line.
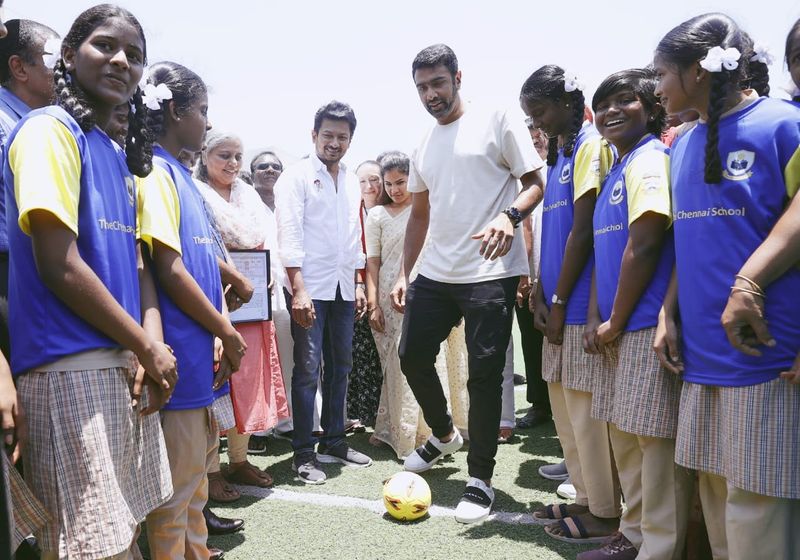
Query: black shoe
x=519, y=379
x=257, y=445
x=533, y=417
x=28, y=550
x=216, y=554
x=221, y=525
x=286, y=436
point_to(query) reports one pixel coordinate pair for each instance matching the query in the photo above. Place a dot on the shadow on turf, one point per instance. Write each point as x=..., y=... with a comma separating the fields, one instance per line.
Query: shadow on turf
x=532, y=534
x=228, y=542
x=387, y=517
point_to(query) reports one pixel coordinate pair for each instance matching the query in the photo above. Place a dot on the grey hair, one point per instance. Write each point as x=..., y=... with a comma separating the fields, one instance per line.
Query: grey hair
x=213, y=140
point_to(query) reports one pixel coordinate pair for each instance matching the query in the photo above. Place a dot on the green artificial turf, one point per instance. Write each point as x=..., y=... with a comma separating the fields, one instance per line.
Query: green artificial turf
x=276, y=528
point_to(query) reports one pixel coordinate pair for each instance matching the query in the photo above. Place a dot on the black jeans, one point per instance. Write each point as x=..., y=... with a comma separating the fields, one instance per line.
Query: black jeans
x=532, y=340
x=432, y=310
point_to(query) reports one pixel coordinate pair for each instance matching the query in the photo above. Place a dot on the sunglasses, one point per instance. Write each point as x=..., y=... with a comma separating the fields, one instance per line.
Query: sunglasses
x=264, y=166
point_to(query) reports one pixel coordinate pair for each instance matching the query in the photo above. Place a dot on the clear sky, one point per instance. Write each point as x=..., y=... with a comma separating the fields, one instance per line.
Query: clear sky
x=269, y=65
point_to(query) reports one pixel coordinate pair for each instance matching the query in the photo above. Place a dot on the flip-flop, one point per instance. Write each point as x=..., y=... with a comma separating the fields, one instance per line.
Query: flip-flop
x=552, y=513
x=575, y=532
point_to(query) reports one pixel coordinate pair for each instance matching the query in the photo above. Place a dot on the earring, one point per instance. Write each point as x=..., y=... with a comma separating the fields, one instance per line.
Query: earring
x=566, y=105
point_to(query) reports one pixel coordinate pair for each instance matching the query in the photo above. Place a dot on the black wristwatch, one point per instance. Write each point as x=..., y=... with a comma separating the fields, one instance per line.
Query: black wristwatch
x=514, y=215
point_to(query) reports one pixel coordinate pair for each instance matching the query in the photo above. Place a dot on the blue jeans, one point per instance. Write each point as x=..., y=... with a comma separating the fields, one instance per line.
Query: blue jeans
x=329, y=341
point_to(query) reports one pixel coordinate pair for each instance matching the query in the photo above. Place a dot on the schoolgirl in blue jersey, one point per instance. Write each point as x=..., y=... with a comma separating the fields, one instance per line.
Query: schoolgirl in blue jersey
x=733, y=176
x=577, y=158
x=174, y=225
x=634, y=257
x=78, y=299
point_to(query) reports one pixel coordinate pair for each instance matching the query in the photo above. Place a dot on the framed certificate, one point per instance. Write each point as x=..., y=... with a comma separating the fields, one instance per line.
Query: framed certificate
x=254, y=264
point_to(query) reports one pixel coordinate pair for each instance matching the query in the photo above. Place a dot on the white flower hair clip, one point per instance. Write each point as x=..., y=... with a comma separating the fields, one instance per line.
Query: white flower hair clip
x=762, y=54
x=52, y=52
x=153, y=96
x=719, y=58
x=571, y=82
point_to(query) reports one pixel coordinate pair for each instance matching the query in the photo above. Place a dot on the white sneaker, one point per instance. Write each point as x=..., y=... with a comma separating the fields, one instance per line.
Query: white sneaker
x=476, y=503
x=566, y=490
x=426, y=456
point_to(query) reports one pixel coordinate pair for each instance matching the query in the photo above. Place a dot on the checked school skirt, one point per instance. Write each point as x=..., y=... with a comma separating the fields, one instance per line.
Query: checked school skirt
x=92, y=460
x=568, y=364
x=748, y=435
x=634, y=392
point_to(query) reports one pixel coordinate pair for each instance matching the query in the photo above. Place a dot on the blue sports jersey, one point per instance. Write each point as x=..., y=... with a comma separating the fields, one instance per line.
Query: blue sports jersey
x=717, y=228
x=611, y=230
x=557, y=216
x=192, y=343
x=43, y=328
x=12, y=109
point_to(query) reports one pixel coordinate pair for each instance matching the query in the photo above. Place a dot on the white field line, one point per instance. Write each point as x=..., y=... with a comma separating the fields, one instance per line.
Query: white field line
x=375, y=506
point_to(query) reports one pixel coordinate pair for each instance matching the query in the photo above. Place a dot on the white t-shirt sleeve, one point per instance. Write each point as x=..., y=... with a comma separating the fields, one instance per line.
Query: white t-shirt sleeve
x=415, y=181
x=516, y=145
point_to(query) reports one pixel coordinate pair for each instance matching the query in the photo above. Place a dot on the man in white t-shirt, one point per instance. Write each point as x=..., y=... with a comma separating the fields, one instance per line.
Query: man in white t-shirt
x=465, y=178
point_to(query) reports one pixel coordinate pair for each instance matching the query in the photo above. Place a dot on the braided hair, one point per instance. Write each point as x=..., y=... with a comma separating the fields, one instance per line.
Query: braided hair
x=690, y=42
x=71, y=97
x=186, y=87
x=756, y=72
x=548, y=83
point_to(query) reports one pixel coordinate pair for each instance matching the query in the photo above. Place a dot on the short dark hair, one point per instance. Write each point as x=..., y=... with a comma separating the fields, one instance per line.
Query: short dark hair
x=433, y=56
x=642, y=82
x=260, y=155
x=22, y=36
x=335, y=111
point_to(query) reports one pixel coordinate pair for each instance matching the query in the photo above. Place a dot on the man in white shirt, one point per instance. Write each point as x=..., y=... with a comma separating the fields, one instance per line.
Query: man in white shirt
x=317, y=203
x=466, y=200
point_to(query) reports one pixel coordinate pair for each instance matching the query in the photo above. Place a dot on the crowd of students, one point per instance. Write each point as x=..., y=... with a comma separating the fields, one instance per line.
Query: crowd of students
x=663, y=255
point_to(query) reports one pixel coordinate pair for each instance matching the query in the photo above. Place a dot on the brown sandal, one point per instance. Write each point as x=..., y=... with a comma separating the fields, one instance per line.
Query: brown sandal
x=220, y=491
x=247, y=474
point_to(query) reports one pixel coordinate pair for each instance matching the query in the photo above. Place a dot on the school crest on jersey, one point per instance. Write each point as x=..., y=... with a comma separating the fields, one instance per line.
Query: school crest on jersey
x=617, y=193
x=739, y=165
x=566, y=173
x=129, y=184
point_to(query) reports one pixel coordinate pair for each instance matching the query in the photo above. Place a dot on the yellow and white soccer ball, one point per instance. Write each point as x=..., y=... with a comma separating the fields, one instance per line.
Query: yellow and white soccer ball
x=406, y=496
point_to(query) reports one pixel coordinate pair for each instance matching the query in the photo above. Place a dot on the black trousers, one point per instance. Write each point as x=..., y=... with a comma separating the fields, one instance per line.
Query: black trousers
x=532, y=340
x=432, y=310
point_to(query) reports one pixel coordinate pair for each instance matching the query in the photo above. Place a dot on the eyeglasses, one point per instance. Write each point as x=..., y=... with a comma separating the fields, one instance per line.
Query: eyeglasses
x=266, y=165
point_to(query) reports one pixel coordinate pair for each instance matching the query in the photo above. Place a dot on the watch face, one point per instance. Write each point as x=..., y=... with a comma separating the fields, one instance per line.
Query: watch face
x=554, y=299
